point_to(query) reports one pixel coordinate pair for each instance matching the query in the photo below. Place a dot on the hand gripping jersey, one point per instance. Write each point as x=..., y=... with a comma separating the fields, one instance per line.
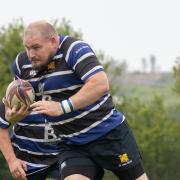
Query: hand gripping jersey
x=35, y=138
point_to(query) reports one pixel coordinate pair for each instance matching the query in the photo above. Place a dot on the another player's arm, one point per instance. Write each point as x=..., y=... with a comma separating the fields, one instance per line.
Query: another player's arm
x=5, y=143
x=6, y=147
x=16, y=166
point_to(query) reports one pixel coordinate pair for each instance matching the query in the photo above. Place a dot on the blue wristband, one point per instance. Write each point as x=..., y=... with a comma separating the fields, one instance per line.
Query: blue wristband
x=62, y=107
x=70, y=105
x=67, y=106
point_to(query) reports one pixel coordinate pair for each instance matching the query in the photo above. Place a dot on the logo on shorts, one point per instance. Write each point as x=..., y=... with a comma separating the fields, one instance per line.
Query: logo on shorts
x=124, y=159
x=63, y=165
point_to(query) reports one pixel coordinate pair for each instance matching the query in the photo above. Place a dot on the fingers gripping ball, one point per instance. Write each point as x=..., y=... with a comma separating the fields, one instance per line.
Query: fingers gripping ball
x=20, y=92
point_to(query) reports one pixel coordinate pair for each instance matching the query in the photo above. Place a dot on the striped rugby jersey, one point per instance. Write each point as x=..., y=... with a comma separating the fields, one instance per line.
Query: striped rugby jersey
x=35, y=138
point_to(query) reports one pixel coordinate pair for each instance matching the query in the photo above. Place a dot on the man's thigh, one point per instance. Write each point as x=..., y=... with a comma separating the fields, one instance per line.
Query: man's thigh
x=73, y=162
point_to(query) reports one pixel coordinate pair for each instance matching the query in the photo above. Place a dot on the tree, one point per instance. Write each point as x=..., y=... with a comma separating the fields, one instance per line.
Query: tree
x=176, y=70
x=10, y=45
x=153, y=63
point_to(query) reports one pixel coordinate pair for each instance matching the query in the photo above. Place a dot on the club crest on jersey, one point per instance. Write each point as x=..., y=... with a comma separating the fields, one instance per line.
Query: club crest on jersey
x=51, y=65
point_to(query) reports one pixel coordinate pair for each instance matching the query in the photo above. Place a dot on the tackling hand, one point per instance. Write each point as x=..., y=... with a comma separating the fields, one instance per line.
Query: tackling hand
x=17, y=168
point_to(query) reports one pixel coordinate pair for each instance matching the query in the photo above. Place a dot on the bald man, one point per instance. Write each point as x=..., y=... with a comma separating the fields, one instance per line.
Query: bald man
x=73, y=117
x=32, y=152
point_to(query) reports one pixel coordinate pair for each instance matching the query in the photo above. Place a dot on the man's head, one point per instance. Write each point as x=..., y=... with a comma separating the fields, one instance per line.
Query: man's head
x=41, y=43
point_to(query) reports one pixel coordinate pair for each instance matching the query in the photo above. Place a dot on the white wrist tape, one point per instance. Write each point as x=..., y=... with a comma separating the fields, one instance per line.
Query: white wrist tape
x=67, y=106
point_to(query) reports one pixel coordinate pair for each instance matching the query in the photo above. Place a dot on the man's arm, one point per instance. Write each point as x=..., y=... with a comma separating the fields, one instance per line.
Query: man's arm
x=94, y=88
x=16, y=166
x=5, y=146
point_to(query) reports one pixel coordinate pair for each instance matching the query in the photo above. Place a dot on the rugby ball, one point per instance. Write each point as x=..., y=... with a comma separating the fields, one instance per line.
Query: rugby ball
x=20, y=92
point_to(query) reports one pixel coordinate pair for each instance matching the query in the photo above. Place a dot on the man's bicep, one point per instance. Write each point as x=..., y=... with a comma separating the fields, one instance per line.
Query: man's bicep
x=99, y=80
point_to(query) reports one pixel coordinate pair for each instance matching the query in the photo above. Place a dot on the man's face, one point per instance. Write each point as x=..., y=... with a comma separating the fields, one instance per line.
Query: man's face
x=39, y=50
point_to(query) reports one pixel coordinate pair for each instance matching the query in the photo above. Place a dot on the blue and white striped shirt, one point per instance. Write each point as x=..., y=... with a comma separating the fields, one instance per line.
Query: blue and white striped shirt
x=35, y=138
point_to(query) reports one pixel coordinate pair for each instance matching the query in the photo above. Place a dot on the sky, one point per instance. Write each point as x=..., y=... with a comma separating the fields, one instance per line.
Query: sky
x=123, y=29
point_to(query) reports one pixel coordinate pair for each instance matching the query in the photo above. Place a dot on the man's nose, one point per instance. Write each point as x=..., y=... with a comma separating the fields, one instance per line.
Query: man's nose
x=31, y=53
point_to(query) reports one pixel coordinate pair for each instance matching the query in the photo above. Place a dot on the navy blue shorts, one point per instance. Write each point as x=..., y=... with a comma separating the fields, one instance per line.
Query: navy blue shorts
x=73, y=162
x=116, y=151
x=51, y=172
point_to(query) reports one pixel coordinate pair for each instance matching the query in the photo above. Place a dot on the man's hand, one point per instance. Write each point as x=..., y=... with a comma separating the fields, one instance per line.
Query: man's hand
x=13, y=115
x=50, y=108
x=17, y=168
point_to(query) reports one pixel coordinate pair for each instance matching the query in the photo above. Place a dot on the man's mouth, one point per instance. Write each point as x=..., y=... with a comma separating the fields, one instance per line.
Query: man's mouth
x=34, y=61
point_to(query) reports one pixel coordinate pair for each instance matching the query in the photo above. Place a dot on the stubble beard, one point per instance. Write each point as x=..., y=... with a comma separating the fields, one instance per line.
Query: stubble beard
x=42, y=67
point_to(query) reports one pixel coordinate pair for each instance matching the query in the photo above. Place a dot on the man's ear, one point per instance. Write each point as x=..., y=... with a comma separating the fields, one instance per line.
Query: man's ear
x=54, y=40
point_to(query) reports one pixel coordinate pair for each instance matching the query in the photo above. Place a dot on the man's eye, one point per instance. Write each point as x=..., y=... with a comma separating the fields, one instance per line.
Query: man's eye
x=36, y=47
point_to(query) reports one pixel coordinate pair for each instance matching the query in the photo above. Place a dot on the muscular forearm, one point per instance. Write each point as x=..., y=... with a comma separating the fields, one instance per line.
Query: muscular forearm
x=93, y=89
x=5, y=146
x=16, y=166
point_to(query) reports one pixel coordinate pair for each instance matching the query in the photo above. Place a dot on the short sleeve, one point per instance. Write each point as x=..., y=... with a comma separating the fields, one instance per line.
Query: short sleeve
x=3, y=123
x=16, y=68
x=82, y=59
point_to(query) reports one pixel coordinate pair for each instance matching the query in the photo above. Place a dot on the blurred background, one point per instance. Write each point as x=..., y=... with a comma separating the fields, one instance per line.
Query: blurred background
x=138, y=42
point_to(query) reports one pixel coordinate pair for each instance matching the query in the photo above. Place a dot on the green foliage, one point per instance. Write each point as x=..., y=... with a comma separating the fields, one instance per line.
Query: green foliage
x=4, y=171
x=10, y=45
x=113, y=69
